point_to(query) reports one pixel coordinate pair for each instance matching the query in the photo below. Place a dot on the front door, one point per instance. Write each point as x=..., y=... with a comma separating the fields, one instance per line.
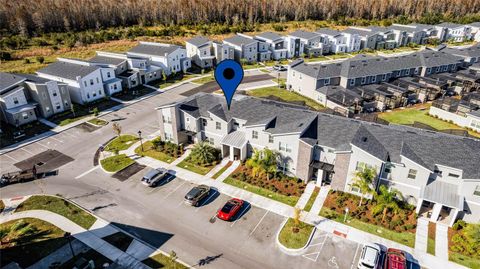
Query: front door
x=142, y=77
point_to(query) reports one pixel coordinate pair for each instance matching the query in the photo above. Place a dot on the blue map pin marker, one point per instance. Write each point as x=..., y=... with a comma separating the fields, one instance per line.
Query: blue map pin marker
x=229, y=75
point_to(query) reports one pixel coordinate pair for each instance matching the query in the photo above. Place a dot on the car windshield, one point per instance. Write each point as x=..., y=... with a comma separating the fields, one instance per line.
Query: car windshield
x=228, y=207
x=193, y=193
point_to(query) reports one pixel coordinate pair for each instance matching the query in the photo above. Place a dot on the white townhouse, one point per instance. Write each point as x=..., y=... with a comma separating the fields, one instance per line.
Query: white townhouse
x=409, y=34
x=86, y=82
x=171, y=58
x=223, y=51
x=15, y=108
x=245, y=47
x=276, y=44
x=340, y=42
x=475, y=26
x=303, y=42
x=451, y=31
x=199, y=49
x=436, y=172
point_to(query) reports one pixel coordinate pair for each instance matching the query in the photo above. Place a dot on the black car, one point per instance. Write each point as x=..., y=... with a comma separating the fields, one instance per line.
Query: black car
x=196, y=194
x=279, y=67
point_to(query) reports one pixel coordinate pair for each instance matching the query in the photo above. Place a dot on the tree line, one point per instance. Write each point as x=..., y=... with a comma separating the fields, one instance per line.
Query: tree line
x=28, y=17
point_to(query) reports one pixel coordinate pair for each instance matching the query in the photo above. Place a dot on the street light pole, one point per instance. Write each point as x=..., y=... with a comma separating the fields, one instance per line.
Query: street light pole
x=69, y=237
x=346, y=214
x=140, y=136
x=278, y=79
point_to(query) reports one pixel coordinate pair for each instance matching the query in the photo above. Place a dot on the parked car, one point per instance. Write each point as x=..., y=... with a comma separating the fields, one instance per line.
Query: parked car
x=369, y=259
x=230, y=209
x=395, y=259
x=196, y=194
x=153, y=176
x=279, y=67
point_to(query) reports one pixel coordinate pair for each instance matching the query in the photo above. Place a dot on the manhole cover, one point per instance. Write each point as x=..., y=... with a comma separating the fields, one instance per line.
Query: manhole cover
x=213, y=219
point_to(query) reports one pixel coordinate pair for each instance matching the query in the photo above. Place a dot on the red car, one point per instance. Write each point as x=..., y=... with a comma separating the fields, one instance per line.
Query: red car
x=230, y=209
x=395, y=259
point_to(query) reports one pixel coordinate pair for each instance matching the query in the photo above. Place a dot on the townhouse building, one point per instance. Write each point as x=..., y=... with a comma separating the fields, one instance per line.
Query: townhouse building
x=50, y=96
x=453, y=32
x=85, y=82
x=223, y=51
x=15, y=107
x=303, y=42
x=409, y=34
x=369, y=38
x=464, y=112
x=436, y=172
x=333, y=41
x=470, y=55
x=276, y=44
x=199, y=49
x=170, y=58
x=244, y=47
x=475, y=33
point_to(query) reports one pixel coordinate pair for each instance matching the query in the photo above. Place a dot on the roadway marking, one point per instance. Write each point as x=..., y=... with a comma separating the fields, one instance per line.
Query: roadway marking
x=204, y=202
x=66, y=133
x=333, y=262
x=10, y=157
x=240, y=215
x=58, y=140
x=27, y=151
x=354, y=257
x=258, y=224
x=87, y=172
x=316, y=254
x=174, y=190
x=42, y=145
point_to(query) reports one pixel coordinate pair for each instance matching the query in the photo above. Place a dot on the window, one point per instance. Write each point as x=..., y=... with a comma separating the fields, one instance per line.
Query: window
x=166, y=119
x=477, y=191
x=94, y=94
x=254, y=135
x=475, y=124
x=445, y=68
x=25, y=116
x=47, y=109
x=429, y=70
x=85, y=83
x=407, y=72
x=374, y=78
x=281, y=146
x=384, y=77
x=218, y=125
x=54, y=94
x=91, y=81
x=204, y=122
x=108, y=74
x=100, y=92
x=188, y=119
x=412, y=174
x=453, y=175
x=352, y=82
x=115, y=86
x=168, y=136
x=364, y=80
x=57, y=105
x=98, y=81
x=361, y=166
x=327, y=81
x=15, y=100
x=88, y=96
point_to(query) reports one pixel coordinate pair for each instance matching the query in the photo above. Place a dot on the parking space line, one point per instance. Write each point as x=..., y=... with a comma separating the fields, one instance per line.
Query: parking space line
x=241, y=215
x=87, y=172
x=354, y=257
x=58, y=140
x=204, y=202
x=40, y=144
x=258, y=224
x=27, y=151
x=10, y=157
x=69, y=134
x=170, y=193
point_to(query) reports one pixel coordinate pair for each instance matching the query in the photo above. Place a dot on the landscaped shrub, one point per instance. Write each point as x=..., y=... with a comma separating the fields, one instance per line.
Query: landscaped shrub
x=167, y=147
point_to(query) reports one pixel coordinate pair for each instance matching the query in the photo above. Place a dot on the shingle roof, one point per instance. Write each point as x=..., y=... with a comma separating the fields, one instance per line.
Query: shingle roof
x=7, y=80
x=448, y=25
x=358, y=31
x=404, y=28
x=34, y=78
x=269, y=36
x=304, y=34
x=319, y=70
x=106, y=60
x=328, y=31
x=156, y=49
x=67, y=70
x=472, y=51
x=198, y=41
x=239, y=40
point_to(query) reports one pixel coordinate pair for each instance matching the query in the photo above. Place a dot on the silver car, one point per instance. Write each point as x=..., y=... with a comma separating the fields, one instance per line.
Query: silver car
x=369, y=259
x=154, y=176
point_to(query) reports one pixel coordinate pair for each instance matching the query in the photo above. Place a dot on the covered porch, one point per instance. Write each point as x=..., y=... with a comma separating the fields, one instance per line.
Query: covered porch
x=322, y=172
x=440, y=202
x=234, y=146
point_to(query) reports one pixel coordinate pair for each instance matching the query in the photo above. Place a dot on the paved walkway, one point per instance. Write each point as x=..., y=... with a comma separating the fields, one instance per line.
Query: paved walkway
x=318, y=203
x=421, y=236
x=441, y=241
x=306, y=195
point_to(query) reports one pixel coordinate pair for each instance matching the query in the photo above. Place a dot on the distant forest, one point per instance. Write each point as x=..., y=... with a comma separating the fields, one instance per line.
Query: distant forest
x=32, y=17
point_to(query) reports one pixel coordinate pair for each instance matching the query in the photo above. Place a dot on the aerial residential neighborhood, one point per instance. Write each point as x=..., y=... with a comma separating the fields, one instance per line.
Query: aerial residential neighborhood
x=351, y=140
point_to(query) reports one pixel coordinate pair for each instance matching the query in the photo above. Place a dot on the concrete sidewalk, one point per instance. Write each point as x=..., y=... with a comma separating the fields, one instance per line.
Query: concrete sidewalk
x=421, y=236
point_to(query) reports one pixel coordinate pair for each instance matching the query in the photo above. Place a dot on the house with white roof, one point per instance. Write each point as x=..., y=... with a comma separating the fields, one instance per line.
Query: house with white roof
x=199, y=49
x=171, y=58
x=475, y=26
x=86, y=82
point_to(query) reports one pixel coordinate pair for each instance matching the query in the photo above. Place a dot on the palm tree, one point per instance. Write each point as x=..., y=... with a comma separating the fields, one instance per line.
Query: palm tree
x=387, y=200
x=203, y=153
x=263, y=162
x=363, y=181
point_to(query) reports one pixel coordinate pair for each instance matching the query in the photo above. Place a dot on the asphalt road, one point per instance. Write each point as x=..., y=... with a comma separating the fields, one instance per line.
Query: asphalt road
x=158, y=215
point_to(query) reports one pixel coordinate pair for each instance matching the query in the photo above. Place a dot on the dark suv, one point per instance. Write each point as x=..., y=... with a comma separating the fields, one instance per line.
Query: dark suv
x=196, y=194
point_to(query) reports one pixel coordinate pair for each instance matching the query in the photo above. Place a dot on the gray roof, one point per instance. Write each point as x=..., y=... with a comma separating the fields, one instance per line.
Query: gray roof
x=358, y=31
x=239, y=40
x=378, y=29
x=449, y=25
x=67, y=70
x=444, y=193
x=422, y=26
x=198, y=41
x=157, y=50
x=269, y=36
x=472, y=51
x=475, y=24
x=235, y=139
x=475, y=113
x=34, y=78
x=328, y=31
x=7, y=80
x=106, y=60
x=319, y=70
x=304, y=34
x=405, y=28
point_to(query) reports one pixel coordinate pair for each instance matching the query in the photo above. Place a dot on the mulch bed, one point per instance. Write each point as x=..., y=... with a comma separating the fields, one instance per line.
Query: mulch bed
x=129, y=171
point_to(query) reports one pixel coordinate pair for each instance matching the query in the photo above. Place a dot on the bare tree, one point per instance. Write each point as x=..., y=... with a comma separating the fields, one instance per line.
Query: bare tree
x=117, y=129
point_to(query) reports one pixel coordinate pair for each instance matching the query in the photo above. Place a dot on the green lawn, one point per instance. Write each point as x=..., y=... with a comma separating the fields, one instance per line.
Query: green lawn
x=431, y=238
x=311, y=200
x=28, y=240
x=179, y=77
x=295, y=240
x=405, y=238
x=339, y=56
x=204, y=80
x=466, y=261
x=59, y=206
x=289, y=200
x=149, y=151
x=408, y=116
x=219, y=172
x=2, y=206
x=315, y=59
x=431, y=246
x=116, y=163
x=195, y=168
x=98, y=121
x=161, y=261
x=284, y=95
x=122, y=142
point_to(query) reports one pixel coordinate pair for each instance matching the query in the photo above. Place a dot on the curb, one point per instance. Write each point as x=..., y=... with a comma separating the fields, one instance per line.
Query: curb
x=293, y=251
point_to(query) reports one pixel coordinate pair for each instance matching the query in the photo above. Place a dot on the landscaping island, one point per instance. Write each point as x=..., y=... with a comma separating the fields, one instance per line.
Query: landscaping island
x=295, y=236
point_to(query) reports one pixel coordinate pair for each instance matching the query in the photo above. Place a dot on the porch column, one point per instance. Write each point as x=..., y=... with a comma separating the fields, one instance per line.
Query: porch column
x=453, y=217
x=232, y=153
x=419, y=205
x=436, y=212
x=319, y=177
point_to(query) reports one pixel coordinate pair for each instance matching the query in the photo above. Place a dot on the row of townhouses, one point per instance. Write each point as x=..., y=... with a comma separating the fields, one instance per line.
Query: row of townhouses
x=438, y=173
x=374, y=83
